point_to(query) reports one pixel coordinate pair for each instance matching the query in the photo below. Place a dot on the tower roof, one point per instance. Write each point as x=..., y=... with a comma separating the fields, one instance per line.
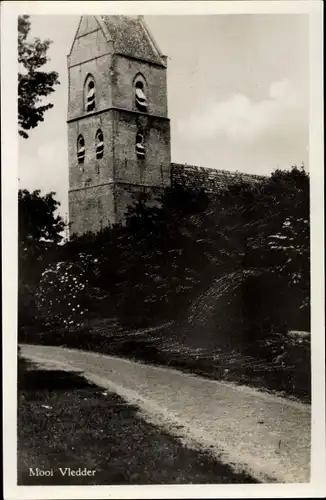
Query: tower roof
x=131, y=37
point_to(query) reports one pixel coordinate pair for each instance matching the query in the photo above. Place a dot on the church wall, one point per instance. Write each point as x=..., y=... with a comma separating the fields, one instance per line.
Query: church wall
x=93, y=171
x=100, y=69
x=87, y=24
x=154, y=169
x=91, y=209
x=210, y=179
x=125, y=69
x=101, y=189
x=127, y=195
x=88, y=46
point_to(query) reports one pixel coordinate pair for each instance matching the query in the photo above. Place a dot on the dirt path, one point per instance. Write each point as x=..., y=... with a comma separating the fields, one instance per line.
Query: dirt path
x=268, y=437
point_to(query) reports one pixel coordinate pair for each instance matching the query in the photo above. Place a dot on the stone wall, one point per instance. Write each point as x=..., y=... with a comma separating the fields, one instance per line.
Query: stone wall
x=124, y=71
x=97, y=206
x=91, y=209
x=101, y=189
x=210, y=179
x=154, y=169
x=90, y=55
x=127, y=195
x=93, y=171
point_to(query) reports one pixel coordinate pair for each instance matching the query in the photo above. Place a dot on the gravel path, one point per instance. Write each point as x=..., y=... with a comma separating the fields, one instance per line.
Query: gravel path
x=267, y=436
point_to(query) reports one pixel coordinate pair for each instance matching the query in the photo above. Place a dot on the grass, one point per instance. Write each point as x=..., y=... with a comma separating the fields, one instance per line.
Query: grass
x=164, y=346
x=64, y=421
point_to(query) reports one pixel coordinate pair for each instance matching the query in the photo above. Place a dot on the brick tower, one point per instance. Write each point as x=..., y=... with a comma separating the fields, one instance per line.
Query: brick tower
x=118, y=128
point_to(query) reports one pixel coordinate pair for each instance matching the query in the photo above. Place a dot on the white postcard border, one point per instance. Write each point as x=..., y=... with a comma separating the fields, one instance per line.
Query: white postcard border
x=10, y=11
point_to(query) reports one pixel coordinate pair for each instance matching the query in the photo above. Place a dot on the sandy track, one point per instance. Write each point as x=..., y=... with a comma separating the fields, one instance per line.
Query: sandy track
x=267, y=436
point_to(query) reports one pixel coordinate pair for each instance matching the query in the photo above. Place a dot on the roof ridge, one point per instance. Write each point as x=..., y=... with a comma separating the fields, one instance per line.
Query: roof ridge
x=215, y=171
x=150, y=36
x=131, y=36
x=103, y=26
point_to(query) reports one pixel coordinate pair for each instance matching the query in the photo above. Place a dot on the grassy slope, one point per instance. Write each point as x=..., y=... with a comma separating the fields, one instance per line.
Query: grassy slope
x=63, y=421
x=166, y=345
x=210, y=340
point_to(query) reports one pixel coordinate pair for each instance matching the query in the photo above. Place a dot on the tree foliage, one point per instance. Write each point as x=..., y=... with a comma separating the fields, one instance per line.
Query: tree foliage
x=61, y=294
x=34, y=84
x=152, y=268
x=39, y=230
x=39, y=234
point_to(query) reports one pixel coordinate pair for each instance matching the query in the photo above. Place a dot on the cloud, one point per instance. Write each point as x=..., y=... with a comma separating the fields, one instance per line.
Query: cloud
x=243, y=120
x=44, y=166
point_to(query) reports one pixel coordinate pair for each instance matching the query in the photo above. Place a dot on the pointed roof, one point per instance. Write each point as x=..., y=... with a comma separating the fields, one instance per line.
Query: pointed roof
x=131, y=36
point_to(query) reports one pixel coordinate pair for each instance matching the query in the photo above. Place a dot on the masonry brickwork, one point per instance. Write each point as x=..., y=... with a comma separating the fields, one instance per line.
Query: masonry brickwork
x=208, y=178
x=113, y=51
x=116, y=52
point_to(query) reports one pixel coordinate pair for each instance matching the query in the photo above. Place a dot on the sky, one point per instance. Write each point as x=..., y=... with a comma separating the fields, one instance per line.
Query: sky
x=238, y=95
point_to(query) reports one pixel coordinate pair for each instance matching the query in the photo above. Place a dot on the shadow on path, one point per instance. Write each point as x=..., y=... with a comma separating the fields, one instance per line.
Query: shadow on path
x=66, y=422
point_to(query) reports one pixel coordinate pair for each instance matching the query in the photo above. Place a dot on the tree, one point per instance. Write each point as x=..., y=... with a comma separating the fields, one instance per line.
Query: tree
x=33, y=84
x=39, y=233
x=39, y=229
x=151, y=269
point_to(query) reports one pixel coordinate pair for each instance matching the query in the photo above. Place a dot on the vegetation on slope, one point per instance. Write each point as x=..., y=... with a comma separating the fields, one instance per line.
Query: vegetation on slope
x=230, y=270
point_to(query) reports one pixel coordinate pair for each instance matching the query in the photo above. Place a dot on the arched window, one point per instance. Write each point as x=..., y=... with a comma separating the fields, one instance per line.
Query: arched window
x=81, y=149
x=90, y=94
x=99, y=144
x=140, y=93
x=140, y=147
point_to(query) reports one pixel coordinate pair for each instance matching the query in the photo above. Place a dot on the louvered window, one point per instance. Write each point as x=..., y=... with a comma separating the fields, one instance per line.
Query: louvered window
x=81, y=149
x=99, y=142
x=140, y=147
x=140, y=97
x=90, y=98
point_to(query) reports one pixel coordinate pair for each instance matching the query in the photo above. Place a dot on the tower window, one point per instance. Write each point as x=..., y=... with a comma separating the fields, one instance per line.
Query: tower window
x=140, y=97
x=90, y=96
x=140, y=147
x=99, y=144
x=81, y=149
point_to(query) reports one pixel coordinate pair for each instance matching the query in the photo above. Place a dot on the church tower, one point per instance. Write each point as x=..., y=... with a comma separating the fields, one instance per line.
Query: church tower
x=118, y=127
